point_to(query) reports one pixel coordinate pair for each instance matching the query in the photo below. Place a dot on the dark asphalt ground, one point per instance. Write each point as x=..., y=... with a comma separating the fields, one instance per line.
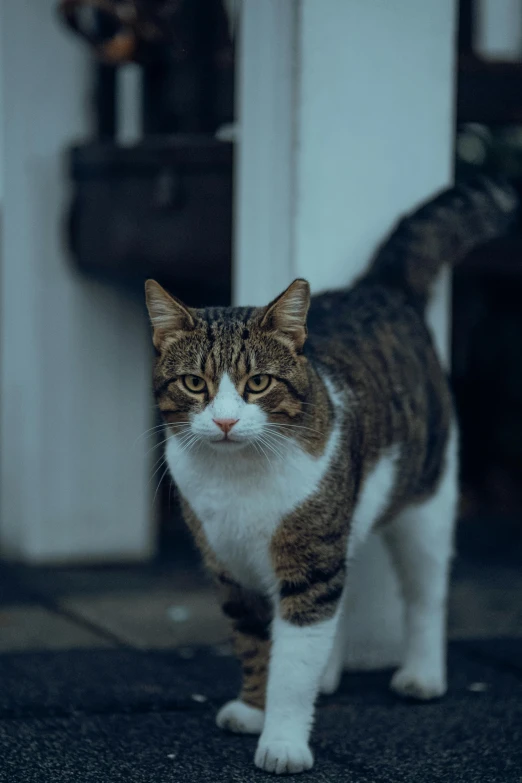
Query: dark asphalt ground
x=103, y=716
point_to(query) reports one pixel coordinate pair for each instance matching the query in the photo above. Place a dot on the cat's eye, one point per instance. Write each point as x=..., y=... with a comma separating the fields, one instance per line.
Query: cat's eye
x=258, y=383
x=194, y=384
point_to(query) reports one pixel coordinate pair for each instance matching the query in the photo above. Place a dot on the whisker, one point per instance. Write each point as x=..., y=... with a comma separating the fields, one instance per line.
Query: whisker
x=172, y=434
x=198, y=445
x=159, y=484
x=175, y=429
x=161, y=443
x=280, y=435
x=193, y=443
x=262, y=453
x=275, y=433
x=283, y=439
x=253, y=443
x=262, y=438
x=188, y=441
x=187, y=437
x=153, y=430
x=160, y=466
x=275, y=449
x=160, y=459
x=265, y=454
x=294, y=426
x=183, y=434
x=186, y=444
x=147, y=432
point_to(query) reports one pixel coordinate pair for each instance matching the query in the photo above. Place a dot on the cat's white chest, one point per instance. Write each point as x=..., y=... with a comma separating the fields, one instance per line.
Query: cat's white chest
x=240, y=502
x=239, y=518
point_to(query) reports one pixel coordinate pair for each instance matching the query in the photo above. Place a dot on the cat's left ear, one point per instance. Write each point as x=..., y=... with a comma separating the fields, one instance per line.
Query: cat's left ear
x=169, y=316
x=287, y=314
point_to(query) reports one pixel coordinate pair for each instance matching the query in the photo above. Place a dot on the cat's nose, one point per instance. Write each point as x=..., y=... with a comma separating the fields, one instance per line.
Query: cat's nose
x=225, y=424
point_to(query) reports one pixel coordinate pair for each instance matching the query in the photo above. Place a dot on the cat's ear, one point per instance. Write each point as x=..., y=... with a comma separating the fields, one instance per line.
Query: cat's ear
x=168, y=315
x=287, y=314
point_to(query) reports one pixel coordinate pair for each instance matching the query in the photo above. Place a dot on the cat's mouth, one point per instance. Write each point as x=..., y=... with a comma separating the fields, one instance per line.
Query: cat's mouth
x=227, y=443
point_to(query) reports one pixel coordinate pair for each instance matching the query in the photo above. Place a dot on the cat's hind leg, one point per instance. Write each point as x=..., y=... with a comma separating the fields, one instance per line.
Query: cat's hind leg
x=332, y=674
x=421, y=545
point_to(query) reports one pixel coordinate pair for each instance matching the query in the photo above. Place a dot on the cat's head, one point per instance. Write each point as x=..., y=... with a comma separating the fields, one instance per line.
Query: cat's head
x=231, y=377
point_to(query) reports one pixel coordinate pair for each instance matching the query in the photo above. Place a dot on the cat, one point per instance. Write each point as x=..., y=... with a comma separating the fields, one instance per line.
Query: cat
x=297, y=430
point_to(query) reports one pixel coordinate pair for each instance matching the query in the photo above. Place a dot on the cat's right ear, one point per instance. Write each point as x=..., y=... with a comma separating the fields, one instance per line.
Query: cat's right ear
x=167, y=314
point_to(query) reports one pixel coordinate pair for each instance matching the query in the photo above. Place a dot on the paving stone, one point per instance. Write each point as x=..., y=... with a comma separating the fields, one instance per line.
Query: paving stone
x=35, y=628
x=155, y=619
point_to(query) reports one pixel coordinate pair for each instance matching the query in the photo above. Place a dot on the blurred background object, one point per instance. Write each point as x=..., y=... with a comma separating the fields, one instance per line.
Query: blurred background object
x=162, y=206
x=487, y=289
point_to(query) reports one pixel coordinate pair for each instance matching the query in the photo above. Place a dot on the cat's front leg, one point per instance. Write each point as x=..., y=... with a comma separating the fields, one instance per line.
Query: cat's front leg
x=306, y=618
x=250, y=616
x=299, y=656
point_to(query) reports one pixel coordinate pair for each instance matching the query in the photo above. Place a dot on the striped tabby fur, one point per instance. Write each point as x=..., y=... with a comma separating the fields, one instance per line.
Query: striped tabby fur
x=297, y=429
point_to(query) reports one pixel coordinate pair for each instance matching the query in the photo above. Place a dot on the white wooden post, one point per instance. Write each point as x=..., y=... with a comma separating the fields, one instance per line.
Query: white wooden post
x=264, y=193
x=75, y=355
x=345, y=122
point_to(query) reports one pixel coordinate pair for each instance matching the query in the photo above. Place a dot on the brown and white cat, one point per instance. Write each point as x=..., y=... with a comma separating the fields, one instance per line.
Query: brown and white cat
x=296, y=430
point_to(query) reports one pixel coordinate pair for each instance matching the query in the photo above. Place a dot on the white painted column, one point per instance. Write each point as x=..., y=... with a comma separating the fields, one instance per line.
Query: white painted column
x=375, y=129
x=75, y=358
x=264, y=195
x=368, y=116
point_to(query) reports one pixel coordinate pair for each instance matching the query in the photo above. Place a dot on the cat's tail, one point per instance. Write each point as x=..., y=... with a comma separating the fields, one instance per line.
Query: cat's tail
x=443, y=231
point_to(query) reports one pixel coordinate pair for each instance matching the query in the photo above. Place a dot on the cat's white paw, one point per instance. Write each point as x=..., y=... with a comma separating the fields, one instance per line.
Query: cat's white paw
x=283, y=757
x=417, y=683
x=238, y=717
x=330, y=680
